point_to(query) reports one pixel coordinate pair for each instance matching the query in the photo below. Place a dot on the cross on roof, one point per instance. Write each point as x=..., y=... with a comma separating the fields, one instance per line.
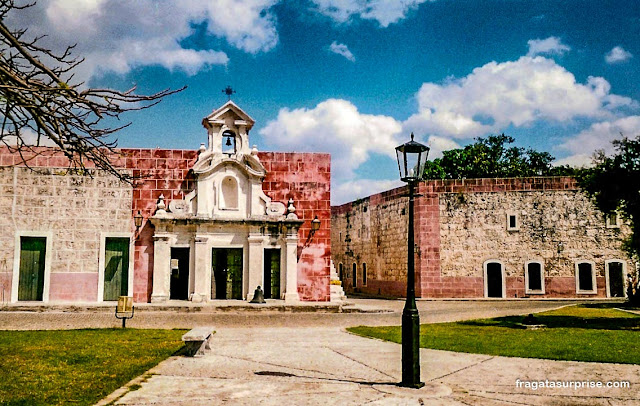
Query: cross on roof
x=228, y=91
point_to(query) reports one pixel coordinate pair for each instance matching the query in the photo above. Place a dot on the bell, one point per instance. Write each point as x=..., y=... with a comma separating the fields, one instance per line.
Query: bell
x=258, y=296
x=228, y=144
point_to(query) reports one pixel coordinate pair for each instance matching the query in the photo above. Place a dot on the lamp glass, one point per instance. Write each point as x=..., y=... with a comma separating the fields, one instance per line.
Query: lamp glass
x=315, y=224
x=412, y=158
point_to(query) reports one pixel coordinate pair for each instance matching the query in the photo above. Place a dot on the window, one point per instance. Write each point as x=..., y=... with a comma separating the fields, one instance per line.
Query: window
x=340, y=272
x=512, y=222
x=612, y=220
x=585, y=278
x=355, y=276
x=364, y=274
x=534, y=277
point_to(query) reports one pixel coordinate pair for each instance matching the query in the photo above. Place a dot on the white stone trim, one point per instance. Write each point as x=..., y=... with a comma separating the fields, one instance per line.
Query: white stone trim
x=47, y=263
x=502, y=269
x=593, y=278
x=608, y=222
x=526, y=278
x=624, y=275
x=101, y=264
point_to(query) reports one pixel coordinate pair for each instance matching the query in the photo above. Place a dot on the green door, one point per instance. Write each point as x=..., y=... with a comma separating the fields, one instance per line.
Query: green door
x=271, y=273
x=31, y=280
x=227, y=273
x=116, y=268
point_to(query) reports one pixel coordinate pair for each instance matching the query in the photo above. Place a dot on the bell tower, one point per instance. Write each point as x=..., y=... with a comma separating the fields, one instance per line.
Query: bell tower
x=228, y=130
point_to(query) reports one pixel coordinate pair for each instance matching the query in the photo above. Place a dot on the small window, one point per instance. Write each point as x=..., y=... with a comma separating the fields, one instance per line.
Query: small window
x=364, y=274
x=512, y=222
x=612, y=220
x=340, y=272
x=534, y=278
x=355, y=275
x=585, y=278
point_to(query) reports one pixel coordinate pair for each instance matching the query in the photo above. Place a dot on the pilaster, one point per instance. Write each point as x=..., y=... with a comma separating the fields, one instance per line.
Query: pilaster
x=161, y=269
x=202, y=270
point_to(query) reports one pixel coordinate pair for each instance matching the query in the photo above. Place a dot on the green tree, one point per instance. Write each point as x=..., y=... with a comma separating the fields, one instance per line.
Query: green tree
x=614, y=184
x=492, y=157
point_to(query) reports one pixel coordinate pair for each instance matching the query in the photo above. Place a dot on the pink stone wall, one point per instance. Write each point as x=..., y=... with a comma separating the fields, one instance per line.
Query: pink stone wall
x=73, y=287
x=430, y=282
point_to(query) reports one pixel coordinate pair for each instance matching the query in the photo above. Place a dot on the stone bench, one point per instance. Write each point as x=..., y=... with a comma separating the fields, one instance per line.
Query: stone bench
x=196, y=340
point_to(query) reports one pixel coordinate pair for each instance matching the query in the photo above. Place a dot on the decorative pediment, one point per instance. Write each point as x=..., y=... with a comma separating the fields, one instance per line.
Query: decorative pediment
x=228, y=112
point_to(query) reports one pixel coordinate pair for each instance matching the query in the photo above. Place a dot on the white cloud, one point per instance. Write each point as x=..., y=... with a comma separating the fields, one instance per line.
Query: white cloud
x=549, y=46
x=342, y=49
x=120, y=35
x=356, y=189
x=439, y=144
x=516, y=93
x=617, y=55
x=599, y=136
x=337, y=127
x=385, y=12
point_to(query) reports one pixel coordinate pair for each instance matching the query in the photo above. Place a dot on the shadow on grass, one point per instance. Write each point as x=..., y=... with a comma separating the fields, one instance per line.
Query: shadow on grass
x=595, y=323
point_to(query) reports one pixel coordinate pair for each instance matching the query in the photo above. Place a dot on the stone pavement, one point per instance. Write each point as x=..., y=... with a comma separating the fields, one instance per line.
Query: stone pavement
x=309, y=359
x=328, y=366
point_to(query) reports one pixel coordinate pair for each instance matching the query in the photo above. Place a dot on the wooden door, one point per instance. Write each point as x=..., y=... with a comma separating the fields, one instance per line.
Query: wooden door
x=31, y=279
x=226, y=273
x=116, y=268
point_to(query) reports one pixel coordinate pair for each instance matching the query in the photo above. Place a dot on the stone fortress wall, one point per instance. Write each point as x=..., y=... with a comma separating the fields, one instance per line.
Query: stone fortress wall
x=462, y=224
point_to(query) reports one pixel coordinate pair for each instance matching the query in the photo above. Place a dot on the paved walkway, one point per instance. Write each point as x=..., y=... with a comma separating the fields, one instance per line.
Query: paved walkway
x=328, y=366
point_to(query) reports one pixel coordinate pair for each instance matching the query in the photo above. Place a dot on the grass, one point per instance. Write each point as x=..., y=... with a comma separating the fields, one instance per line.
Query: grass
x=576, y=333
x=77, y=367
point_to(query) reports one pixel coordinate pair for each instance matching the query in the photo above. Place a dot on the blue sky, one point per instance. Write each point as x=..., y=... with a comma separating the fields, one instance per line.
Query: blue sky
x=354, y=78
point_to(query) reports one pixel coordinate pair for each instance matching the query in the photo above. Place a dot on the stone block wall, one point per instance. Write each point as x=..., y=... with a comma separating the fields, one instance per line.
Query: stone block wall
x=73, y=210
x=304, y=177
x=460, y=224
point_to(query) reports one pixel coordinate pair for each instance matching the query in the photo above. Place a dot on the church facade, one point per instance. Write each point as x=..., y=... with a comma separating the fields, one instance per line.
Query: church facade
x=216, y=223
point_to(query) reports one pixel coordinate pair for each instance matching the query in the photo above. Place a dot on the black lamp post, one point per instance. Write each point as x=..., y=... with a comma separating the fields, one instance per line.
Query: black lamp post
x=412, y=157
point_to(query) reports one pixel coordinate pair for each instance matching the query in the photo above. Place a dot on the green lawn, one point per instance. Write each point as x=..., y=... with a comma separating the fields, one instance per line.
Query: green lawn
x=77, y=367
x=577, y=333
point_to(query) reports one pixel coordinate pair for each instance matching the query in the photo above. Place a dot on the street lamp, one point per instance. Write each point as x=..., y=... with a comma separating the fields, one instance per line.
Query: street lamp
x=412, y=157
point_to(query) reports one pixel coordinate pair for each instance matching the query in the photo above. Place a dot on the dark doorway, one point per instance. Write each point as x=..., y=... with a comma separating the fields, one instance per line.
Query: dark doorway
x=494, y=279
x=31, y=280
x=272, y=273
x=616, y=279
x=116, y=268
x=179, y=289
x=534, y=275
x=227, y=273
x=585, y=276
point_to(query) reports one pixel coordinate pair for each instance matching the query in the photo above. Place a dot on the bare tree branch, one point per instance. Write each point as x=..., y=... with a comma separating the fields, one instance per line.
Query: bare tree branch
x=37, y=96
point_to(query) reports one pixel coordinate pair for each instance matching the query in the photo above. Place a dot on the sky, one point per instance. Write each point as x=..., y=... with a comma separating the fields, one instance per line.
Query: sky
x=355, y=77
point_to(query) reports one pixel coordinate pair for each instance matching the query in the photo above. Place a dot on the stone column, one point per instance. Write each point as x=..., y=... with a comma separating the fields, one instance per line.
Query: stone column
x=201, y=271
x=161, y=269
x=291, y=292
x=255, y=265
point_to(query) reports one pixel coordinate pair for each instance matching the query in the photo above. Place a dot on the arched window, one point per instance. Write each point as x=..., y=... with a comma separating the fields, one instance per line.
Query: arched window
x=229, y=193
